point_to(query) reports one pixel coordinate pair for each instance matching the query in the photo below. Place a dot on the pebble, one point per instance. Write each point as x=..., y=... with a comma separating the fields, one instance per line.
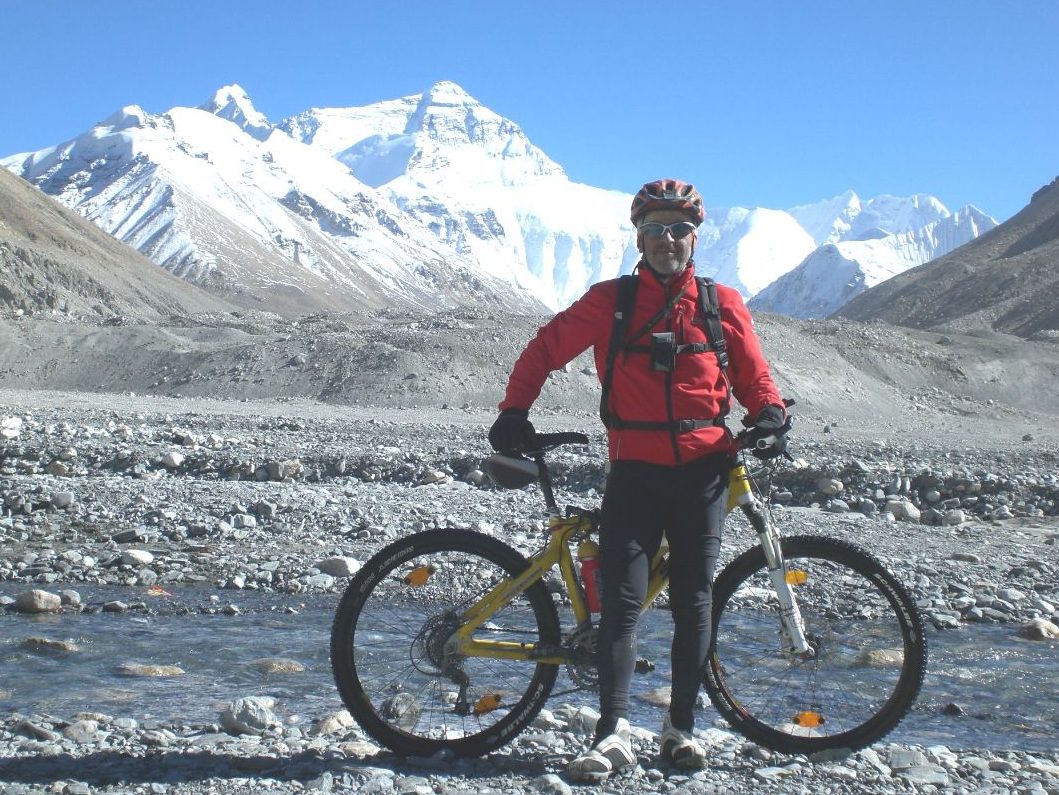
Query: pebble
x=49, y=645
x=275, y=665
x=1039, y=629
x=141, y=669
x=136, y=557
x=339, y=566
x=63, y=499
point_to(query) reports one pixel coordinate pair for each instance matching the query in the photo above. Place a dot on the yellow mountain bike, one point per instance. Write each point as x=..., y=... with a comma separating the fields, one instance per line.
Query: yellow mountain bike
x=451, y=639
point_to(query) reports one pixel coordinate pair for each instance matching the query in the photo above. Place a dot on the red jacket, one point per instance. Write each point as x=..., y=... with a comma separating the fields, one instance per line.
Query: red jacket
x=695, y=389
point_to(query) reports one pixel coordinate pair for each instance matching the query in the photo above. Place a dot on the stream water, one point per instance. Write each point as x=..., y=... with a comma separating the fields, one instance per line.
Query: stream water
x=1000, y=687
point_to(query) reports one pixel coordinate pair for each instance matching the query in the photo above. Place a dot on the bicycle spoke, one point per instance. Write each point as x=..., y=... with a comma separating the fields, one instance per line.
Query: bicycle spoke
x=856, y=684
x=393, y=648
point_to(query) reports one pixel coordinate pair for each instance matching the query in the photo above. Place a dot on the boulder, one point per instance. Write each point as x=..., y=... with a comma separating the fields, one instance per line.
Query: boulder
x=38, y=601
x=251, y=715
x=1039, y=629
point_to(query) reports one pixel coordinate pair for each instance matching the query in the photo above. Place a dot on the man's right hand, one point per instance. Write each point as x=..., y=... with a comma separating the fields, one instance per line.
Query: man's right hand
x=512, y=431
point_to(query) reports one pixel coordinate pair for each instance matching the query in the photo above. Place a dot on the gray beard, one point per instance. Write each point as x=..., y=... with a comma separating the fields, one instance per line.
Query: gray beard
x=665, y=273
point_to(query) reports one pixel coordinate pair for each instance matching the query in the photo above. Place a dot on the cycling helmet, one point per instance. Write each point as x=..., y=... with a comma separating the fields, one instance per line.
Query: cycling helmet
x=668, y=194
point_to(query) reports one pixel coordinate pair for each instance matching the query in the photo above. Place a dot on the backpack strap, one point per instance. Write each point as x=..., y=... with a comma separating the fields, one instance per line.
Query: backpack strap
x=622, y=317
x=710, y=308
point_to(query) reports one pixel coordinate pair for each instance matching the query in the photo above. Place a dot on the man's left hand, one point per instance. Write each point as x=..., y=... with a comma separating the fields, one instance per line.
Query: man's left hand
x=770, y=421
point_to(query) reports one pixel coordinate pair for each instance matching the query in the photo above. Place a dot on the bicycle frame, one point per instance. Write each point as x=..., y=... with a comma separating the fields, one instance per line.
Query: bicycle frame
x=557, y=551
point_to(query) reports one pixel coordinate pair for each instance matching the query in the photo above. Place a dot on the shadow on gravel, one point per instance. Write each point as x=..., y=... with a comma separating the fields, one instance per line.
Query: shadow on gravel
x=114, y=767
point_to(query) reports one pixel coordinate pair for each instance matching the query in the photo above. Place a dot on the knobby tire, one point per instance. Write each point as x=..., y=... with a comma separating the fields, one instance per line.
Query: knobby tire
x=871, y=649
x=388, y=637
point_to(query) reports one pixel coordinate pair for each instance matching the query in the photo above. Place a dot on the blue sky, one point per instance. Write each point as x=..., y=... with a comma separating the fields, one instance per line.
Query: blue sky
x=759, y=103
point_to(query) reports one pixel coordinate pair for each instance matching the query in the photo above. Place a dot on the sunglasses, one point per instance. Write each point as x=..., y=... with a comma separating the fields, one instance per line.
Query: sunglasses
x=677, y=231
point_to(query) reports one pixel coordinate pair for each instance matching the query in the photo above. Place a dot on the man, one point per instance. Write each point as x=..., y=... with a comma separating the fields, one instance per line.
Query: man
x=664, y=405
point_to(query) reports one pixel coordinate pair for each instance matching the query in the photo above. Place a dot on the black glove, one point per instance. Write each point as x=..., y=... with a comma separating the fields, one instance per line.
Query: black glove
x=770, y=421
x=512, y=431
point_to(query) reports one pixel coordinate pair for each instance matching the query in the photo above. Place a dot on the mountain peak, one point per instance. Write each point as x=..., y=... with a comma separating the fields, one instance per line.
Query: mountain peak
x=449, y=129
x=445, y=92
x=128, y=116
x=231, y=102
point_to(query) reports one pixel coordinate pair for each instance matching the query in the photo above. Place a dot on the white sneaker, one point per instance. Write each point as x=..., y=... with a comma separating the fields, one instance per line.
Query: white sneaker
x=680, y=748
x=610, y=754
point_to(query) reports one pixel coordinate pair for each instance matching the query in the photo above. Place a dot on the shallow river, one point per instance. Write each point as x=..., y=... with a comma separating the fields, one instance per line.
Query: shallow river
x=1003, y=686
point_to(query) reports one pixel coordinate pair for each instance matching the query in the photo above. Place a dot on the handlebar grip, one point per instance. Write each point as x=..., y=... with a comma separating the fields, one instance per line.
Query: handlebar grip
x=764, y=442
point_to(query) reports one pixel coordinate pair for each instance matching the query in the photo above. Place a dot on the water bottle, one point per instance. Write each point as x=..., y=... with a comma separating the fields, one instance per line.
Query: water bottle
x=588, y=558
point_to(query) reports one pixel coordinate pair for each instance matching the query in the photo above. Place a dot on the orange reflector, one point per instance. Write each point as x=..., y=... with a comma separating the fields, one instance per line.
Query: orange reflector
x=487, y=704
x=809, y=719
x=418, y=576
x=797, y=577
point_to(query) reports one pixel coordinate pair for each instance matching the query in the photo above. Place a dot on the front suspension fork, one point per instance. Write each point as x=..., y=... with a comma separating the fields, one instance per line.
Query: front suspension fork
x=791, y=622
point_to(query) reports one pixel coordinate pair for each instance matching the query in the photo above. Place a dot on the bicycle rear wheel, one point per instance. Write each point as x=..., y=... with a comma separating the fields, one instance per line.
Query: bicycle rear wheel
x=388, y=651
x=869, y=656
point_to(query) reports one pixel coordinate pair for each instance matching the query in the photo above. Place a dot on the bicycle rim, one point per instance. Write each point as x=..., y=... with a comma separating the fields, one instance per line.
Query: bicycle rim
x=388, y=646
x=870, y=650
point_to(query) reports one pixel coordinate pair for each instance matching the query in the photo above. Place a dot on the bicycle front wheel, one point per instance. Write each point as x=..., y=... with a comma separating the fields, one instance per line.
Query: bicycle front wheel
x=868, y=656
x=391, y=660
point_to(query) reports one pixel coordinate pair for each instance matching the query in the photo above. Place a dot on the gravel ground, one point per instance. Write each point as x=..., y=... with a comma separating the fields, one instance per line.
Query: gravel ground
x=289, y=496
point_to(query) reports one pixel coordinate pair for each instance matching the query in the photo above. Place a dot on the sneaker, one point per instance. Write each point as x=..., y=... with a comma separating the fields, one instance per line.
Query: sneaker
x=610, y=754
x=680, y=748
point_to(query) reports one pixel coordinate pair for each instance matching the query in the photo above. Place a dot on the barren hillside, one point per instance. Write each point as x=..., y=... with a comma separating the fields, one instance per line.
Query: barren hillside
x=53, y=261
x=1006, y=280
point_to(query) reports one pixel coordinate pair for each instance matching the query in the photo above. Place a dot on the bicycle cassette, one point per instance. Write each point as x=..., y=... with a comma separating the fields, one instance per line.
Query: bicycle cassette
x=583, y=672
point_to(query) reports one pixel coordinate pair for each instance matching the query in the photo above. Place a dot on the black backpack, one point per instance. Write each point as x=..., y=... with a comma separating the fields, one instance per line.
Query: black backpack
x=709, y=309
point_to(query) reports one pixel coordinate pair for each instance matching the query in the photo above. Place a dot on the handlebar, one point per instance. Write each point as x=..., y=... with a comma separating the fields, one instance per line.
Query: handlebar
x=543, y=442
x=775, y=441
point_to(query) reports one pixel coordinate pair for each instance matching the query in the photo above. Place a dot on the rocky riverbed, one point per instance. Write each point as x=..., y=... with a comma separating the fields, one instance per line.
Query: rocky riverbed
x=133, y=496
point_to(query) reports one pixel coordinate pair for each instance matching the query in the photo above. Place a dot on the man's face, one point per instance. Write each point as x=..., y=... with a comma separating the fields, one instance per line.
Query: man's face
x=665, y=255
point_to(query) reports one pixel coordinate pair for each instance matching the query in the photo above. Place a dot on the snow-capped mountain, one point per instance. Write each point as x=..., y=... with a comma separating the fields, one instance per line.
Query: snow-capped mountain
x=846, y=217
x=218, y=197
x=863, y=244
x=476, y=180
x=1005, y=280
x=430, y=200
